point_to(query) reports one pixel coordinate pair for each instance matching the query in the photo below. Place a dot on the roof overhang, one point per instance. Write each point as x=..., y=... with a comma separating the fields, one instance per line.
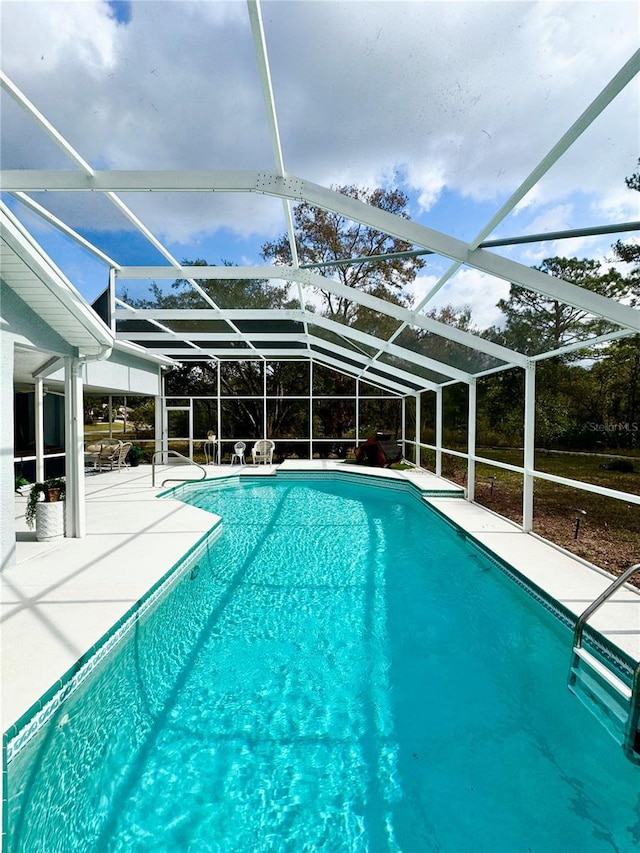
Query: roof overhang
x=33, y=276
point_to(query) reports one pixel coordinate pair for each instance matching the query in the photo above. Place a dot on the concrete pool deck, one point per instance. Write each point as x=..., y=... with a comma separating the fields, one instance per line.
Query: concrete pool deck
x=61, y=597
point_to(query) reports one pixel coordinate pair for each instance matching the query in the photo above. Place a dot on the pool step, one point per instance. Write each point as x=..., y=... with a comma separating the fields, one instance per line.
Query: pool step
x=605, y=695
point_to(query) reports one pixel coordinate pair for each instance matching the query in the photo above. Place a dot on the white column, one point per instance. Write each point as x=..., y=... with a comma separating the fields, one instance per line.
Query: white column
x=357, y=411
x=39, y=429
x=75, y=515
x=471, y=442
x=529, y=445
x=439, y=432
x=418, y=423
x=404, y=425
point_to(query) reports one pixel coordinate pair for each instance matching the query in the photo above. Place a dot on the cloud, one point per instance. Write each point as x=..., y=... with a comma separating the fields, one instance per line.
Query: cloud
x=457, y=98
x=468, y=287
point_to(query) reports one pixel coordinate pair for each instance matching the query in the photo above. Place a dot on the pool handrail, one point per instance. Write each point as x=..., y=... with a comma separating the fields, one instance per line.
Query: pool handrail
x=632, y=738
x=174, y=479
x=600, y=600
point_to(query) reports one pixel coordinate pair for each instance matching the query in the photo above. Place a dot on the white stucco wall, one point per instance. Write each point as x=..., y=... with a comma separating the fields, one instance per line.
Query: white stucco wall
x=123, y=373
x=7, y=515
x=22, y=327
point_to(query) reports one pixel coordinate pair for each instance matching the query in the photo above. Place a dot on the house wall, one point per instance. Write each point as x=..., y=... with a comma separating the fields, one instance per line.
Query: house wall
x=20, y=327
x=123, y=373
x=7, y=514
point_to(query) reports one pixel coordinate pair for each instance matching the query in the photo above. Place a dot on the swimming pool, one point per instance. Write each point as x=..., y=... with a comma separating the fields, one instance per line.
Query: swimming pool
x=341, y=671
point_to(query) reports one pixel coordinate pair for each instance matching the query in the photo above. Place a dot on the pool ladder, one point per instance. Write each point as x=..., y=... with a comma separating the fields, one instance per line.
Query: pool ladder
x=615, y=702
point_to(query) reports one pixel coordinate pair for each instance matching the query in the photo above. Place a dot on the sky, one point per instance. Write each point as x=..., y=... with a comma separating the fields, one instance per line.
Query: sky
x=453, y=102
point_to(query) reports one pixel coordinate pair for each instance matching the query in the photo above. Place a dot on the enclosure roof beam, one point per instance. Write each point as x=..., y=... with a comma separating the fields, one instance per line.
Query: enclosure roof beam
x=313, y=279
x=410, y=379
x=260, y=44
x=293, y=315
x=580, y=345
x=57, y=137
x=595, y=108
x=336, y=364
x=392, y=385
x=218, y=337
x=208, y=313
x=391, y=349
x=65, y=229
x=20, y=98
x=296, y=189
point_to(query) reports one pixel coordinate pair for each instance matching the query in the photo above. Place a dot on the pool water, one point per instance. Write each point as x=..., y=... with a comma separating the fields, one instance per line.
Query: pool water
x=340, y=672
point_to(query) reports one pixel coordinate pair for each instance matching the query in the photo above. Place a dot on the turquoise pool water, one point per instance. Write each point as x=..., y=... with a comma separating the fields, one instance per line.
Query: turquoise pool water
x=339, y=672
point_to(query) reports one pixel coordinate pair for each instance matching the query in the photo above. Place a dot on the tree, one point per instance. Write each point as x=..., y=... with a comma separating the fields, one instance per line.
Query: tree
x=323, y=237
x=619, y=371
x=629, y=252
x=537, y=323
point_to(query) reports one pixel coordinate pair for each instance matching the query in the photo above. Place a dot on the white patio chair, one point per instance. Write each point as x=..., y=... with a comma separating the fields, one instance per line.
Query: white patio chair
x=262, y=451
x=114, y=455
x=238, y=452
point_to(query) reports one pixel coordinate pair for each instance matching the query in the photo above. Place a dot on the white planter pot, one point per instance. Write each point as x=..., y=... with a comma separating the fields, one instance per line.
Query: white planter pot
x=49, y=520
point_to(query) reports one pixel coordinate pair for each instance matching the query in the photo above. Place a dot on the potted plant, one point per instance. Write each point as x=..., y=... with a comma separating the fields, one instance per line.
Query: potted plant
x=20, y=482
x=45, y=508
x=134, y=455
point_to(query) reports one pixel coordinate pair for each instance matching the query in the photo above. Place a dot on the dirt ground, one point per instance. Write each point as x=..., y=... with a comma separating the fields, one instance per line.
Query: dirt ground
x=609, y=531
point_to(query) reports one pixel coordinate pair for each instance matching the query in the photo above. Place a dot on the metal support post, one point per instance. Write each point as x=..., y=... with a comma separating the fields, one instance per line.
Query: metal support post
x=404, y=426
x=112, y=299
x=158, y=432
x=310, y=409
x=418, y=456
x=264, y=399
x=471, y=441
x=220, y=425
x=439, y=432
x=529, y=445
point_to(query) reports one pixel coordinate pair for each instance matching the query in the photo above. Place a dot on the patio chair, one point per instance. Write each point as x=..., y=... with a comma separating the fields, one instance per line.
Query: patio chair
x=262, y=451
x=114, y=455
x=238, y=452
